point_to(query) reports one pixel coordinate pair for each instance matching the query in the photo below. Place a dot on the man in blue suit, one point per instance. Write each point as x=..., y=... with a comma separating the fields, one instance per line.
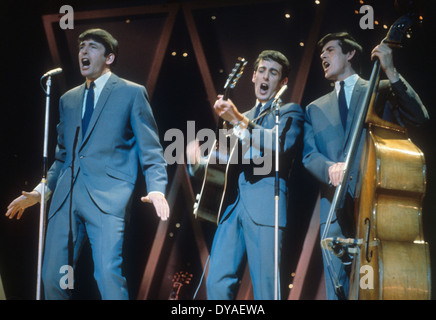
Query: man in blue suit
x=246, y=228
x=107, y=133
x=326, y=137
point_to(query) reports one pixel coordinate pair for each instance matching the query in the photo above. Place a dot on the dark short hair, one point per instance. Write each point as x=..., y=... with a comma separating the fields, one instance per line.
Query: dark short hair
x=277, y=57
x=347, y=43
x=105, y=38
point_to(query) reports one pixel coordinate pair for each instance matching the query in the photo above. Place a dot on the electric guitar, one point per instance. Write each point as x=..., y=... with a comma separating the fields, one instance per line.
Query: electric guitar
x=209, y=202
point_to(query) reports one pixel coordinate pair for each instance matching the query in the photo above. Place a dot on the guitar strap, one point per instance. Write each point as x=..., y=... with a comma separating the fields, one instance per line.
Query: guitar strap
x=262, y=115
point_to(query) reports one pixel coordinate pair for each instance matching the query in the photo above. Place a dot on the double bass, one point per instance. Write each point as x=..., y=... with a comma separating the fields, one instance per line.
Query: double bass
x=391, y=259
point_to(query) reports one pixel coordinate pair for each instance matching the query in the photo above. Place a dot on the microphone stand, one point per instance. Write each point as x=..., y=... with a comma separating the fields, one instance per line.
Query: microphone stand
x=42, y=216
x=276, y=106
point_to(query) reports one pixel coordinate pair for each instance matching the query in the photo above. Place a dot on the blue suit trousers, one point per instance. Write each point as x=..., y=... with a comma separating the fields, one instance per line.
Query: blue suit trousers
x=239, y=239
x=106, y=236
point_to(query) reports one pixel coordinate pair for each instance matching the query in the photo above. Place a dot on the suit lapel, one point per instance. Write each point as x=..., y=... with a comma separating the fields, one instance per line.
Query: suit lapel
x=250, y=113
x=100, y=104
x=333, y=113
x=77, y=118
x=261, y=118
x=355, y=103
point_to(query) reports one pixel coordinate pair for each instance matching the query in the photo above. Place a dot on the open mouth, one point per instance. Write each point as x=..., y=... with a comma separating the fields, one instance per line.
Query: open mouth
x=86, y=62
x=325, y=64
x=264, y=87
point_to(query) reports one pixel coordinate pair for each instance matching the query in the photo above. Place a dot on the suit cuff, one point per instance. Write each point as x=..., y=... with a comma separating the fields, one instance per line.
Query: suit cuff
x=399, y=86
x=48, y=192
x=161, y=193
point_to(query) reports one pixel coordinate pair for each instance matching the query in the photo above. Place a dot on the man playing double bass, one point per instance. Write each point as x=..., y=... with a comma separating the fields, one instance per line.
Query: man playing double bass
x=328, y=122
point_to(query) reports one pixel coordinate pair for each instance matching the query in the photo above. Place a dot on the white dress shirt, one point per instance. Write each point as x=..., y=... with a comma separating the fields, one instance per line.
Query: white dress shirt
x=99, y=84
x=349, y=84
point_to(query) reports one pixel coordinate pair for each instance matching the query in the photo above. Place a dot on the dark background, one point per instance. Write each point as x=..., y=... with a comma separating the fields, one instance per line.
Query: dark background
x=179, y=96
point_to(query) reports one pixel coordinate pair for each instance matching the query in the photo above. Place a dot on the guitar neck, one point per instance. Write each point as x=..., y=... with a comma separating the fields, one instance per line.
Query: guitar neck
x=221, y=120
x=226, y=94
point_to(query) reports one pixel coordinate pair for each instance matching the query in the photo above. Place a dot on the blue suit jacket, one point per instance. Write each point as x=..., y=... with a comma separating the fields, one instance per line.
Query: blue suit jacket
x=121, y=141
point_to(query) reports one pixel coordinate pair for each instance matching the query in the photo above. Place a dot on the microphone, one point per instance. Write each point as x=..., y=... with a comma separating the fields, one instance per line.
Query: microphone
x=342, y=248
x=277, y=101
x=52, y=72
x=278, y=94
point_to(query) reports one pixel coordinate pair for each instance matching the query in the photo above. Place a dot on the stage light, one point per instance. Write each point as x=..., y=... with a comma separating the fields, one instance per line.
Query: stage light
x=173, y=53
x=185, y=54
x=317, y=2
x=287, y=15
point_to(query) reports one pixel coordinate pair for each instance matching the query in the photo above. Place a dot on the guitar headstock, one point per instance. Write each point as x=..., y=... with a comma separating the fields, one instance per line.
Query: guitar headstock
x=234, y=76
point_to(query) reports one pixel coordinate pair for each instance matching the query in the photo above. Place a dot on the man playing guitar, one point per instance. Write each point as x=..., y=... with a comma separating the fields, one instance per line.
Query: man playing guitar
x=246, y=226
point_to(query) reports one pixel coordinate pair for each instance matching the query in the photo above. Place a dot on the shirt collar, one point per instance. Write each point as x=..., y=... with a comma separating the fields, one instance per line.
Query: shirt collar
x=101, y=81
x=349, y=82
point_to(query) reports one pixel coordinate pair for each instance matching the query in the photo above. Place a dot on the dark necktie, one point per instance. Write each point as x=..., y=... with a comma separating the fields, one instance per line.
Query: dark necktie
x=343, y=109
x=89, y=108
x=258, y=110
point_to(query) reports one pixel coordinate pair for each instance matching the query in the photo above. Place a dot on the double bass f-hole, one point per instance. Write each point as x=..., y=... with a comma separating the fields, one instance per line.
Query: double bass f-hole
x=368, y=230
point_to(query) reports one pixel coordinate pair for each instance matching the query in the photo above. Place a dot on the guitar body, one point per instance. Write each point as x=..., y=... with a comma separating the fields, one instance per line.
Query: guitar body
x=210, y=200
